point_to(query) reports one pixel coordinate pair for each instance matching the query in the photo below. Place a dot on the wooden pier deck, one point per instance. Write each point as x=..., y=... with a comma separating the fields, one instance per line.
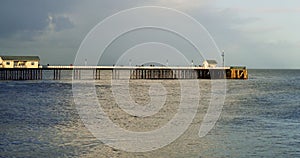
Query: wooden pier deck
x=118, y=72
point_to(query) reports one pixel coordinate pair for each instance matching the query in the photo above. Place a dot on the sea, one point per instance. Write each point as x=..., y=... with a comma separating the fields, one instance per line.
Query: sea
x=260, y=118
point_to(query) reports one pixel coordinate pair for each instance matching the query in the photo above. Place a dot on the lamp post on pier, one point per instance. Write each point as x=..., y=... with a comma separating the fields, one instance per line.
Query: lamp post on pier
x=223, y=56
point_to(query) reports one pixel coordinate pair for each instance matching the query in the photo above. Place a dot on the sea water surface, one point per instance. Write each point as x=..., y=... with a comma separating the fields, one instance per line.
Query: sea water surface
x=260, y=118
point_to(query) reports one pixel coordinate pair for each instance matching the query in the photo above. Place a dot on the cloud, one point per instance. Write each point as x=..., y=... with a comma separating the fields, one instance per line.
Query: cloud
x=259, y=29
x=54, y=29
x=246, y=40
x=28, y=18
x=269, y=10
x=59, y=23
x=184, y=4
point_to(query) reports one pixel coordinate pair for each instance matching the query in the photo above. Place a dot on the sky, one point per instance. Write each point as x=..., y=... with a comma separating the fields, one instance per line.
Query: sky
x=253, y=33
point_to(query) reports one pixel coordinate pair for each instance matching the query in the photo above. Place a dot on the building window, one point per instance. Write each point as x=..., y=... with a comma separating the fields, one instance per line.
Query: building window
x=7, y=63
x=32, y=63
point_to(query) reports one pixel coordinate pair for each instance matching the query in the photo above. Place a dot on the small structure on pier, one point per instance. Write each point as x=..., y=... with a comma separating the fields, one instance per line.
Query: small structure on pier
x=210, y=64
x=19, y=61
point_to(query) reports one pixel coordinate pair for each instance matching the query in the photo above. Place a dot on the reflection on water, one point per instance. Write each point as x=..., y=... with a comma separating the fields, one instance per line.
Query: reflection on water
x=260, y=118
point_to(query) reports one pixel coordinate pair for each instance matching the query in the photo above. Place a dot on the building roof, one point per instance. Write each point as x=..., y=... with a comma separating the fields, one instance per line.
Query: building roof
x=211, y=62
x=20, y=57
x=238, y=67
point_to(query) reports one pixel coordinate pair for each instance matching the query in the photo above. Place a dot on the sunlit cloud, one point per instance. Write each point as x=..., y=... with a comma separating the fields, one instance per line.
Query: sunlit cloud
x=59, y=22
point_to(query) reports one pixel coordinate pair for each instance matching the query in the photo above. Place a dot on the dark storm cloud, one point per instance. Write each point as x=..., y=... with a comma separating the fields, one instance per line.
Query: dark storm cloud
x=30, y=17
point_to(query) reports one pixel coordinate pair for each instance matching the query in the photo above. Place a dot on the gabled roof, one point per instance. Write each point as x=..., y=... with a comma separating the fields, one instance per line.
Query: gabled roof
x=211, y=62
x=20, y=57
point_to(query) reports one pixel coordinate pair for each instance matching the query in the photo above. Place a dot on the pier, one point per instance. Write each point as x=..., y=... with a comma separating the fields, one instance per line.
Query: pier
x=124, y=72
